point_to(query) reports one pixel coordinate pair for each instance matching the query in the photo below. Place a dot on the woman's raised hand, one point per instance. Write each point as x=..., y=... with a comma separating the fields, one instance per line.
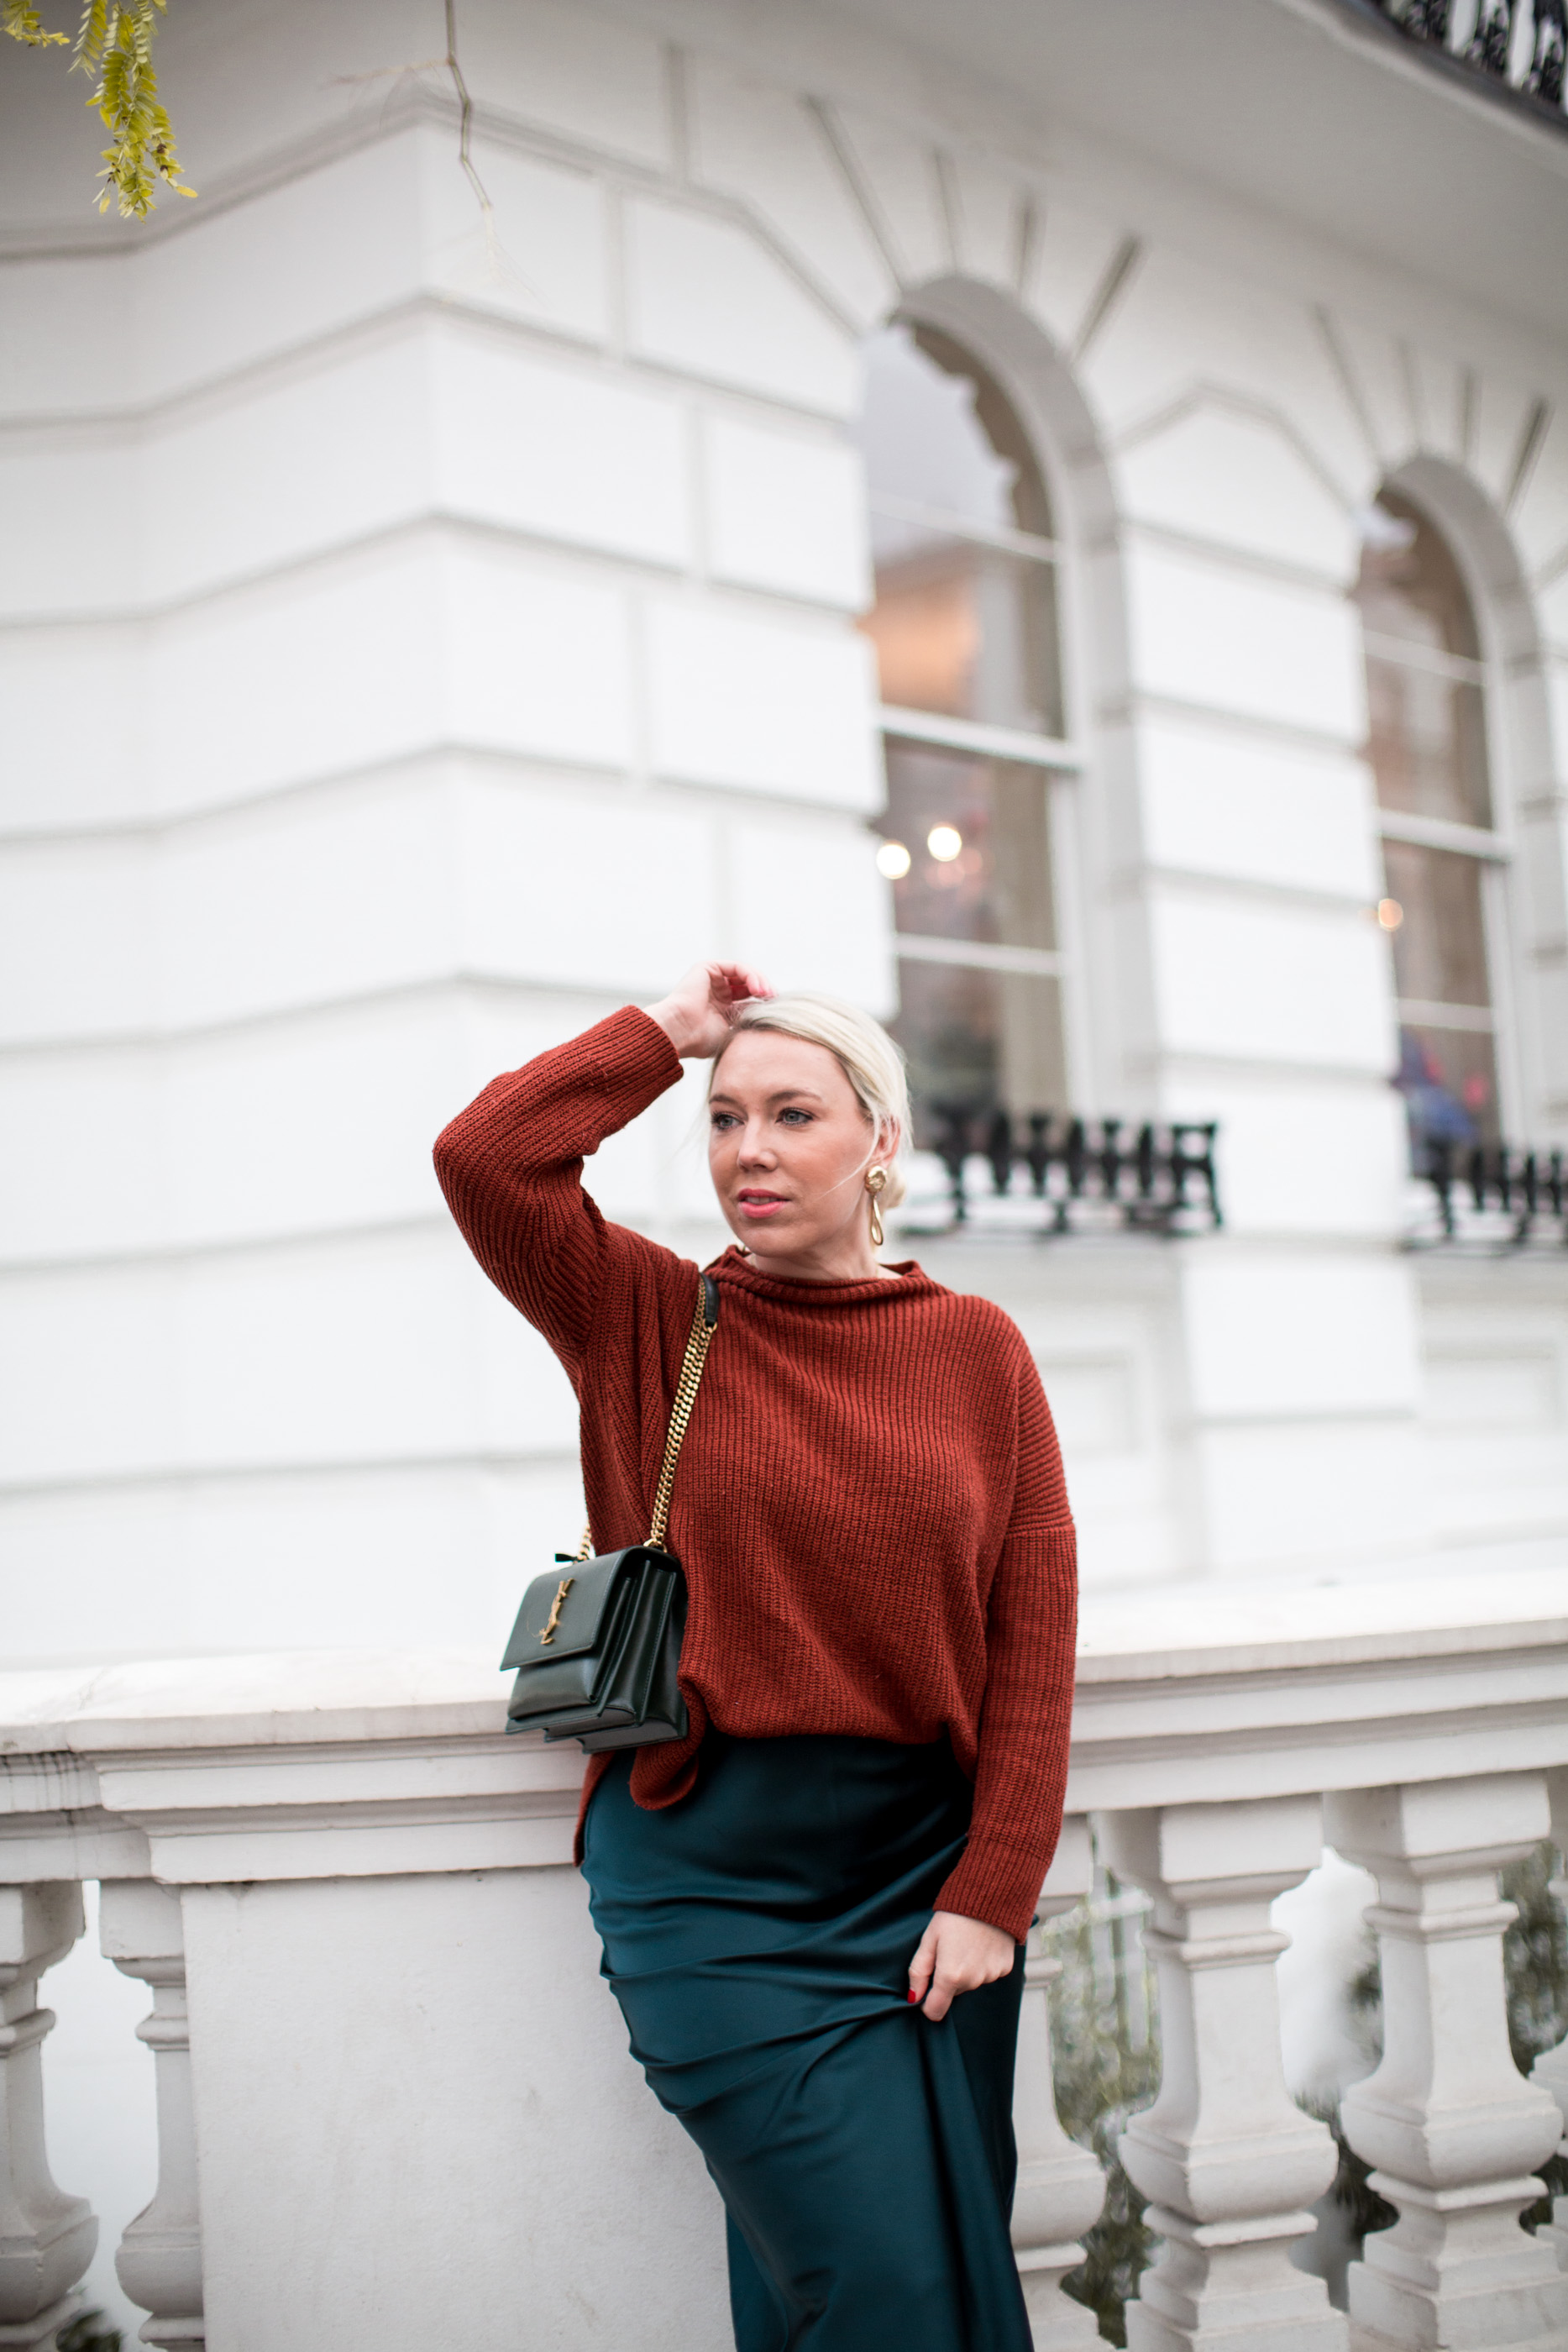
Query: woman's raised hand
x=699, y=1010
x=957, y=1955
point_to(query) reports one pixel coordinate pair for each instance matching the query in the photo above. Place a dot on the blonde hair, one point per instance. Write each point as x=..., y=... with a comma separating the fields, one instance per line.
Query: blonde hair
x=863, y=1051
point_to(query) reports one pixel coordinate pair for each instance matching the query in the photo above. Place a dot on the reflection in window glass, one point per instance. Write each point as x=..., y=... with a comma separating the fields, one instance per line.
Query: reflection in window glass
x=1423, y=671
x=1446, y=1078
x=962, y=623
x=977, y=1039
x=964, y=628
x=976, y=834
x=967, y=847
x=1439, y=948
x=1427, y=744
x=966, y=631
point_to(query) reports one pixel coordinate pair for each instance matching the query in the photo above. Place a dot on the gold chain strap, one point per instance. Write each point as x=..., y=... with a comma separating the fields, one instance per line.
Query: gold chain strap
x=698, y=1341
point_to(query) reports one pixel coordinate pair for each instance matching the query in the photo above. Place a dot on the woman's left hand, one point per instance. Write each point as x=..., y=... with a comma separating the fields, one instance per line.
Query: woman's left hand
x=957, y=1955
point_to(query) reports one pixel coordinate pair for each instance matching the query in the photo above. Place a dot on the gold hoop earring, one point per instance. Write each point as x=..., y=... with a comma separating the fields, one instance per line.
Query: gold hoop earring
x=876, y=1183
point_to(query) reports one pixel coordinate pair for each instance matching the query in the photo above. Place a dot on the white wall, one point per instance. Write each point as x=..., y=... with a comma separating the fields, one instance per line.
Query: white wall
x=474, y=654
x=413, y=651
x=488, y=1985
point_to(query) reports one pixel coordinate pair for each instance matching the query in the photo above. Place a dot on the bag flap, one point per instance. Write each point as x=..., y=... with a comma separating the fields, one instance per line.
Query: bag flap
x=584, y=1594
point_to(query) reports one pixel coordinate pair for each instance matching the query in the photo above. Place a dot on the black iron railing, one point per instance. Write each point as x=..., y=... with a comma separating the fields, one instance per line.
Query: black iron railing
x=1494, y=1193
x=1516, y=47
x=1148, y=1178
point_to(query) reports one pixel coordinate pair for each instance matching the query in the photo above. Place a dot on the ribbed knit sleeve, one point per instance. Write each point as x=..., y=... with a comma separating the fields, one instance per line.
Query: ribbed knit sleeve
x=1026, y=1714
x=511, y=1169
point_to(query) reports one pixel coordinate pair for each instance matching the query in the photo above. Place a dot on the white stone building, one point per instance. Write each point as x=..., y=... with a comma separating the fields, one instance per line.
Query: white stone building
x=426, y=627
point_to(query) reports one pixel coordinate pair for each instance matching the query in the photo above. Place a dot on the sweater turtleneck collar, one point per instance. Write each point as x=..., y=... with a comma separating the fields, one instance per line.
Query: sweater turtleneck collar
x=735, y=1267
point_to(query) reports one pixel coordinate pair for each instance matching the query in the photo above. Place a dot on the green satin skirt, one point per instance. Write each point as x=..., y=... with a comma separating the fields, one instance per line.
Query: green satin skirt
x=757, y=1937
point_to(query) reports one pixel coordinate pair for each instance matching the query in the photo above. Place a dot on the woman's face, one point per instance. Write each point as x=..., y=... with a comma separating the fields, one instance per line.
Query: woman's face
x=789, y=1146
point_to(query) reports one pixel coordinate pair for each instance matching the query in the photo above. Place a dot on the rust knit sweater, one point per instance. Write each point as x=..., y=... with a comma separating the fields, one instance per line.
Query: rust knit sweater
x=870, y=1506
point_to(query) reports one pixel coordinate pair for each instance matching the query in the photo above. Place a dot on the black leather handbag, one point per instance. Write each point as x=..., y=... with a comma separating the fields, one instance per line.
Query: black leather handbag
x=598, y=1650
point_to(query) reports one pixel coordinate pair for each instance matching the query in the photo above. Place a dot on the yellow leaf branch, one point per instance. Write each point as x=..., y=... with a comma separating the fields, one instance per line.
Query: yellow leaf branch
x=22, y=21
x=115, y=46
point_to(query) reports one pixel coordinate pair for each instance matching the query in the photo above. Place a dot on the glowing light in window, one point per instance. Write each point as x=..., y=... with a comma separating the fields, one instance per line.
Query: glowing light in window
x=1390, y=914
x=893, y=861
x=945, y=842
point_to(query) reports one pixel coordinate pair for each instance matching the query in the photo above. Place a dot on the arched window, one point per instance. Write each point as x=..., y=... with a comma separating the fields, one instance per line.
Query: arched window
x=1442, y=856
x=964, y=626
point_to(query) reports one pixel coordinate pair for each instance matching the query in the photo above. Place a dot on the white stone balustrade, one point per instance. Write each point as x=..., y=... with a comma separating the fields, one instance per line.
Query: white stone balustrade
x=1228, y=2162
x=160, y=2259
x=1061, y=2188
x=406, y=2115
x=1551, y=2070
x=46, y=2238
x=1451, y=2128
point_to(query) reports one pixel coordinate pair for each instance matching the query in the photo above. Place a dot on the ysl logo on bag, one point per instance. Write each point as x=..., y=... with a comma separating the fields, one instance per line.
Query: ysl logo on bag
x=553, y=1619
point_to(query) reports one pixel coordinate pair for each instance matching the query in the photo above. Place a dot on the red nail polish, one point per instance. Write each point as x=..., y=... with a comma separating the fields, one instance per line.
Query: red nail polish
x=913, y=1994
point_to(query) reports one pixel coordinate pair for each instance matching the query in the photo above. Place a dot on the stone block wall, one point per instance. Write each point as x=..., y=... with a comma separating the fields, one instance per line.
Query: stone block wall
x=420, y=640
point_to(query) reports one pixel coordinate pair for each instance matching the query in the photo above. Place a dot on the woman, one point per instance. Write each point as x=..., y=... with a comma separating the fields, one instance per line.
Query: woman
x=812, y=1907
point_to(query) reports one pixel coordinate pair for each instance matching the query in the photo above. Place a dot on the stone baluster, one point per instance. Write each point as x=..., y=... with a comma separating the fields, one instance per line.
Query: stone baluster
x=1550, y=2069
x=1060, y=2188
x=1228, y=2162
x=1451, y=2128
x=160, y=2256
x=46, y=2239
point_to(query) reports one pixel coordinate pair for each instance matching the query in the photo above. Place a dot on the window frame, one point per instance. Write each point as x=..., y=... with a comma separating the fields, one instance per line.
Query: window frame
x=1493, y=848
x=1057, y=756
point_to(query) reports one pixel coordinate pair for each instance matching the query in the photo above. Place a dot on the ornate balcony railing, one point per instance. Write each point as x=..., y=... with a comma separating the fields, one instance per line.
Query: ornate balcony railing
x=1494, y=1197
x=1052, y=1175
x=1515, y=47
x=395, y=2104
x=1083, y=1174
